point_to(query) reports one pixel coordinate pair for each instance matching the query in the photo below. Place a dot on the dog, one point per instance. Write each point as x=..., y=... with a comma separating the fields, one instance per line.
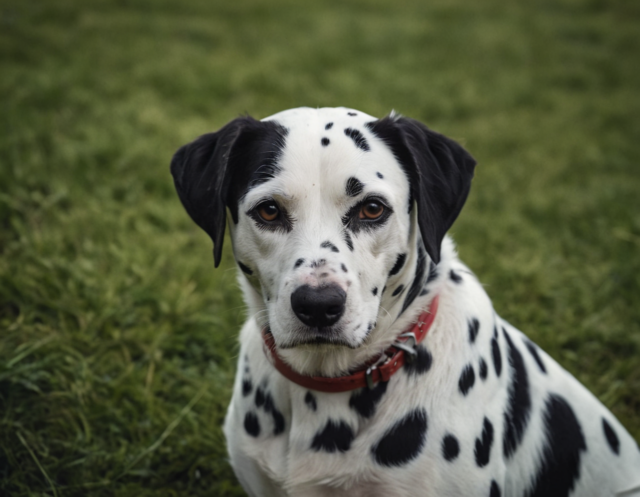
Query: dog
x=372, y=362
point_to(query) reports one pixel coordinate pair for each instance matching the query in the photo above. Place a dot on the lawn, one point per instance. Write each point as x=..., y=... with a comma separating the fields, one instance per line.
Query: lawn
x=118, y=337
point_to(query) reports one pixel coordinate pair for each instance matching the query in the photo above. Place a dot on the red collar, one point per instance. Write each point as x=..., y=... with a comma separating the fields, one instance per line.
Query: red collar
x=380, y=370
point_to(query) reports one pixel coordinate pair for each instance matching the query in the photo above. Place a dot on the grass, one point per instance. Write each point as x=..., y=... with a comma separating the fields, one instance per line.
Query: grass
x=118, y=338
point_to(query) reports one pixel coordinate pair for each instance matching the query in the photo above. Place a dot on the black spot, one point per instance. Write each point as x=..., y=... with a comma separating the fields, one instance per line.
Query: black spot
x=354, y=187
x=559, y=465
x=495, y=489
x=335, y=436
x=310, y=400
x=424, y=292
x=329, y=126
x=483, y=369
x=268, y=403
x=245, y=269
x=325, y=141
x=298, y=263
x=418, y=279
x=611, y=436
x=329, y=245
x=251, y=424
x=467, y=379
x=495, y=331
x=516, y=415
x=357, y=138
x=421, y=363
x=474, y=327
x=483, y=445
x=259, y=398
x=247, y=387
x=379, y=175
x=375, y=291
x=351, y=114
x=398, y=265
x=533, y=350
x=450, y=447
x=403, y=441
x=433, y=272
x=383, y=290
x=365, y=400
x=496, y=356
x=455, y=277
x=347, y=240
x=397, y=290
x=371, y=326
x=278, y=422
x=343, y=267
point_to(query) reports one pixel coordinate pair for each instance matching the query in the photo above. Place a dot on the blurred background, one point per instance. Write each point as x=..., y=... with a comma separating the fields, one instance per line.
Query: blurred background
x=118, y=337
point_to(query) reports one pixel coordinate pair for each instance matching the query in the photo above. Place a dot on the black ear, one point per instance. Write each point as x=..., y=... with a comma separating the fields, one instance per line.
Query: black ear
x=214, y=171
x=439, y=172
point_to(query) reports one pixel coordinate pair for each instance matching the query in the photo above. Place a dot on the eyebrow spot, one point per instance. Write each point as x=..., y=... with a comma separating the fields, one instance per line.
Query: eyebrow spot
x=328, y=126
x=329, y=245
x=298, y=263
x=325, y=141
x=354, y=187
x=379, y=175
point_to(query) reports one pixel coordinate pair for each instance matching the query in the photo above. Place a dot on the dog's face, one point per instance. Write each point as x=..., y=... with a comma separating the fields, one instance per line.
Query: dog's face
x=328, y=208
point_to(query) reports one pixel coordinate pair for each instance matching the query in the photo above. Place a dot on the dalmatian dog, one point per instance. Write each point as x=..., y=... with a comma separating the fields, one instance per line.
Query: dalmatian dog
x=338, y=223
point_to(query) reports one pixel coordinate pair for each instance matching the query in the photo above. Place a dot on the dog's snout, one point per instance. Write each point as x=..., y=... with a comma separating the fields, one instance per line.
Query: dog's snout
x=318, y=306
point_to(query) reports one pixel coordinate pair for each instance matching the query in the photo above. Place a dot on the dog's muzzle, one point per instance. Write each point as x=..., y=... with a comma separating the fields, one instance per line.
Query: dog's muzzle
x=318, y=307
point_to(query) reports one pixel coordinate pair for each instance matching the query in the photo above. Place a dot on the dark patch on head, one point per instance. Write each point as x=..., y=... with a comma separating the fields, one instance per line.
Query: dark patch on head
x=433, y=272
x=348, y=240
x=533, y=350
x=612, y=438
x=358, y=138
x=365, y=400
x=244, y=268
x=384, y=289
x=484, y=444
x=259, y=398
x=310, y=400
x=251, y=424
x=398, y=265
x=559, y=465
x=467, y=379
x=474, y=327
x=424, y=292
x=404, y=441
x=421, y=363
x=418, y=279
x=354, y=187
x=494, y=491
x=397, y=291
x=379, y=175
x=247, y=387
x=371, y=326
x=517, y=413
x=325, y=141
x=450, y=447
x=298, y=263
x=329, y=245
x=455, y=277
x=336, y=436
x=375, y=291
x=344, y=268
x=328, y=126
x=496, y=356
x=351, y=114
x=483, y=369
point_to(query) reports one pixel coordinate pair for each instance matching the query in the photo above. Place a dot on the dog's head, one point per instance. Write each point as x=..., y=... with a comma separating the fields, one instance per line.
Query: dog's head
x=331, y=212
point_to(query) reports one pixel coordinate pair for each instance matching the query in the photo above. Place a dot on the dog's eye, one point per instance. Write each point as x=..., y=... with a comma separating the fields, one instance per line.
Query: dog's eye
x=371, y=210
x=268, y=211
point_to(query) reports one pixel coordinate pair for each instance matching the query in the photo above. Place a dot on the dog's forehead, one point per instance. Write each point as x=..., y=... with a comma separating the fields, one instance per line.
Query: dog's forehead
x=330, y=152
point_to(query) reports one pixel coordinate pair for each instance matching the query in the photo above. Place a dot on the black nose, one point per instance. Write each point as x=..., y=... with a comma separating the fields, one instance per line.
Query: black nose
x=318, y=306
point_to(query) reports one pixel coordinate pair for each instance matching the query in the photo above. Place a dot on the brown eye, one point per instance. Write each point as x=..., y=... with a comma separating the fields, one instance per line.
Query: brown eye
x=268, y=211
x=371, y=210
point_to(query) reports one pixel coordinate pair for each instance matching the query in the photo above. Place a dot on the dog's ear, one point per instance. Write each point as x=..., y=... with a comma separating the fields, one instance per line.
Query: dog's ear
x=214, y=171
x=439, y=172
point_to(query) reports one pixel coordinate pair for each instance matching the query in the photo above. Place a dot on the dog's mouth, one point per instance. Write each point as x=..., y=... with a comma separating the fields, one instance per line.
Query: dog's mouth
x=316, y=336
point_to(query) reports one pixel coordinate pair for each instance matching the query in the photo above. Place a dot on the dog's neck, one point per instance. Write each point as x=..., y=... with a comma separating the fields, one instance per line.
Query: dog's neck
x=395, y=314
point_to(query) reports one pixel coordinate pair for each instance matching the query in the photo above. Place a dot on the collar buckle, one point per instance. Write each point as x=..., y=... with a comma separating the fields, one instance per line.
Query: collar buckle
x=409, y=345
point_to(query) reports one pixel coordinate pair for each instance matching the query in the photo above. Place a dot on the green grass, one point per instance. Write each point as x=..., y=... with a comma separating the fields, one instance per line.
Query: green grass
x=118, y=338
